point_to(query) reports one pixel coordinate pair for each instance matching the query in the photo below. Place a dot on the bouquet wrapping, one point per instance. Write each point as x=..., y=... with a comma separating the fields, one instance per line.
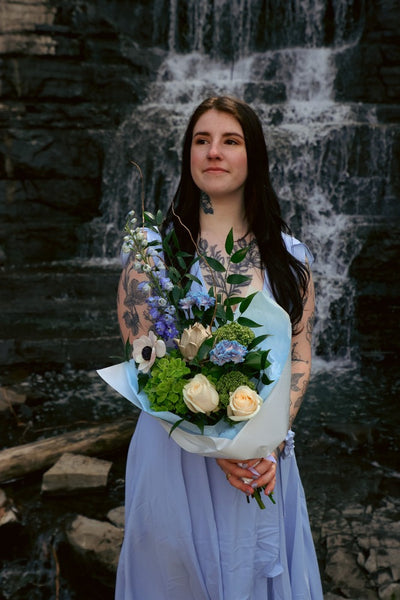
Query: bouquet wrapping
x=252, y=438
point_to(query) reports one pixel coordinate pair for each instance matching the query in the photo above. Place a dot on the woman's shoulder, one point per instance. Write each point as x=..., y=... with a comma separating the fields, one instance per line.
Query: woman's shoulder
x=298, y=249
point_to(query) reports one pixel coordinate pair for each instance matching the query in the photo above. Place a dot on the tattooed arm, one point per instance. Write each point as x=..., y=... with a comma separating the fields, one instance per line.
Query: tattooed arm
x=131, y=303
x=301, y=355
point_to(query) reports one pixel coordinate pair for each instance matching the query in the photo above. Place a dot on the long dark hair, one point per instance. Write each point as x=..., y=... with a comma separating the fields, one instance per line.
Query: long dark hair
x=288, y=276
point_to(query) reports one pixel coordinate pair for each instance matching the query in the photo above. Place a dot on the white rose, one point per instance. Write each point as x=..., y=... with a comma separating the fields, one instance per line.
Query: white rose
x=200, y=395
x=244, y=403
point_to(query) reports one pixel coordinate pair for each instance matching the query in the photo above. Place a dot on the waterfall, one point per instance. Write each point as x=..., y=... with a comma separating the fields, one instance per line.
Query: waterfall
x=281, y=65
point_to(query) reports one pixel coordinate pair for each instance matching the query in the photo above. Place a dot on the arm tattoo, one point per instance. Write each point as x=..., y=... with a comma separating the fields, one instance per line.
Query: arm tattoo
x=309, y=327
x=295, y=381
x=297, y=403
x=296, y=356
x=252, y=260
x=134, y=297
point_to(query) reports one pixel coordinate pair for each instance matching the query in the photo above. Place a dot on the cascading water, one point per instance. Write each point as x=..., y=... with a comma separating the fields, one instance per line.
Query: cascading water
x=313, y=141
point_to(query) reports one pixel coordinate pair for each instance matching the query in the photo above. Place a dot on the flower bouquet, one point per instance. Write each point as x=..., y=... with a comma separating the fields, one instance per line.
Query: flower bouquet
x=214, y=371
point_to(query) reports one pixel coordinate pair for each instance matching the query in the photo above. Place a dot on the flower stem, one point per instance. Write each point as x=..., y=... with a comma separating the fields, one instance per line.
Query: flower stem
x=257, y=496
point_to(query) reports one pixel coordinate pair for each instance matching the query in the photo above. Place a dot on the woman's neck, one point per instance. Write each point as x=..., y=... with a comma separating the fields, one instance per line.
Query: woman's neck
x=224, y=217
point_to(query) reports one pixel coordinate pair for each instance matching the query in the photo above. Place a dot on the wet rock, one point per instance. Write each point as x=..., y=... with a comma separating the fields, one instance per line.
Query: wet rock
x=97, y=542
x=352, y=434
x=8, y=511
x=10, y=398
x=363, y=550
x=74, y=472
x=117, y=516
x=390, y=592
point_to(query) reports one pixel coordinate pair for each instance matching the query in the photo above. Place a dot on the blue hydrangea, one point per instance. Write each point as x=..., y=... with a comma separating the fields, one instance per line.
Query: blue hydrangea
x=228, y=351
x=199, y=299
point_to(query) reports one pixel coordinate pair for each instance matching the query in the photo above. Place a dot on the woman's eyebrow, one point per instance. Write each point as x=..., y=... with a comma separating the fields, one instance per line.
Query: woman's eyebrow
x=228, y=134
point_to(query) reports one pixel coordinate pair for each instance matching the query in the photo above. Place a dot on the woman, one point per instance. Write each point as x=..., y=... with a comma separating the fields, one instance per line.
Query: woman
x=189, y=533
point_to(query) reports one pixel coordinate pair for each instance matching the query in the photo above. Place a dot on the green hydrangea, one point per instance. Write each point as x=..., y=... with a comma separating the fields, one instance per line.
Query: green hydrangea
x=234, y=331
x=164, y=388
x=228, y=382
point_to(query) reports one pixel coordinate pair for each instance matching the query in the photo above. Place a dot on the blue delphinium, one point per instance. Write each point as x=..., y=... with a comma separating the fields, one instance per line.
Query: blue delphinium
x=228, y=351
x=161, y=313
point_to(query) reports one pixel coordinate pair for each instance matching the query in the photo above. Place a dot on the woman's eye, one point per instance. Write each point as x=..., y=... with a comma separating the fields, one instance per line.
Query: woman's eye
x=231, y=142
x=200, y=141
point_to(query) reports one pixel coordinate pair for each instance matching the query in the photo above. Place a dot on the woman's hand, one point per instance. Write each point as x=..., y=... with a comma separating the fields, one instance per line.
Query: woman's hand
x=235, y=470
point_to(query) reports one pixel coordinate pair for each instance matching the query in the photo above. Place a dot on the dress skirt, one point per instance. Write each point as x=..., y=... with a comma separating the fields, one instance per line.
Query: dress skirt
x=190, y=535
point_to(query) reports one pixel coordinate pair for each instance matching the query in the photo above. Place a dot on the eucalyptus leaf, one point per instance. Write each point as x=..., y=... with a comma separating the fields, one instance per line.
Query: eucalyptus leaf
x=229, y=242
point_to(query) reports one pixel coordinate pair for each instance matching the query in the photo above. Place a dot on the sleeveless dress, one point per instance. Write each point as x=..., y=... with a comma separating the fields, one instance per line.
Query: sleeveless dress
x=189, y=535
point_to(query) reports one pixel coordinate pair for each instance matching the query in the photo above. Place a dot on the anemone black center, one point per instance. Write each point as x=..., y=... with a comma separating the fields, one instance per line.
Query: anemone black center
x=146, y=352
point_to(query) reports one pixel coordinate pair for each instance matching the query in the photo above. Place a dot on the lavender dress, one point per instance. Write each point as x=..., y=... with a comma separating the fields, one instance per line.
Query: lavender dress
x=189, y=535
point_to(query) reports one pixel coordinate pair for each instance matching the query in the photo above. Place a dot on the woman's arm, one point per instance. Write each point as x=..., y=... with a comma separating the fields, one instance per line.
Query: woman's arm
x=301, y=369
x=132, y=312
x=301, y=354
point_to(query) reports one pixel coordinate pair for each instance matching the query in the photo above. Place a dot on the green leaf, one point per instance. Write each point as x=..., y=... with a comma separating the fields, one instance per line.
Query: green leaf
x=239, y=255
x=174, y=274
x=176, y=294
x=232, y=300
x=237, y=279
x=215, y=264
x=128, y=351
x=257, y=340
x=159, y=217
x=229, y=313
x=193, y=278
x=248, y=322
x=174, y=426
x=265, y=379
x=246, y=302
x=181, y=261
x=205, y=348
x=149, y=218
x=229, y=242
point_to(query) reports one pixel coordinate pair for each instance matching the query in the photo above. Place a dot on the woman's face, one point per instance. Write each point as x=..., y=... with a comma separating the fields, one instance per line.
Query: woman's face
x=218, y=157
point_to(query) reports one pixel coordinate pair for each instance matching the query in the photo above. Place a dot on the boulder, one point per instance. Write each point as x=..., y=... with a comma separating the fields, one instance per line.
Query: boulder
x=75, y=472
x=96, y=542
x=9, y=398
x=117, y=516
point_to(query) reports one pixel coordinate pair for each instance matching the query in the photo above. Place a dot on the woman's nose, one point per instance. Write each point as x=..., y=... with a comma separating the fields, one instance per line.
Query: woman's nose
x=214, y=150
